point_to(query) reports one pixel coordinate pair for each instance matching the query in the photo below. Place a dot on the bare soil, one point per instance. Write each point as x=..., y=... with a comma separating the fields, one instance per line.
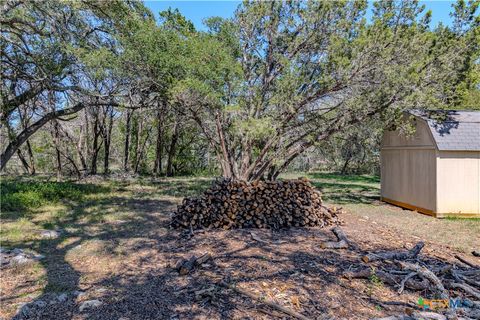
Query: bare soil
x=126, y=264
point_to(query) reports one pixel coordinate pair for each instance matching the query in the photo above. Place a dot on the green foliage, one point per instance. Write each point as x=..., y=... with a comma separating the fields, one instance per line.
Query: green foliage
x=24, y=195
x=254, y=92
x=174, y=20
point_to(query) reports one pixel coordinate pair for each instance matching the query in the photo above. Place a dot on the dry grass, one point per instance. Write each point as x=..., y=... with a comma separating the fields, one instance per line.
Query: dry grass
x=360, y=195
x=118, y=239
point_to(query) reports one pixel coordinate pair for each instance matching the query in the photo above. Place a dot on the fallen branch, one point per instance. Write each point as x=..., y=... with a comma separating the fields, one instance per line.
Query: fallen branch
x=465, y=287
x=342, y=242
x=423, y=315
x=387, y=278
x=427, y=274
x=468, y=263
x=428, y=315
x=264, y=301
x=395, y=255
x=402, y=284
x=463, y=279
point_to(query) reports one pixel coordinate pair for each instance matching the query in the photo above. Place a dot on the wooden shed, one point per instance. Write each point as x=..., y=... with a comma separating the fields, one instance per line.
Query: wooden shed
x=437, y=170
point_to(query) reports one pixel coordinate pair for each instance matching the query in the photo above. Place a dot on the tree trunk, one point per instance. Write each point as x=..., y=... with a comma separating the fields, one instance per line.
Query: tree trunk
x=345, y=165
x=157, y=168
x=27, y=132
x=107, y=138
x=11, y=136
x=80, y=149
x=226, y=160
x=171, y=150
x=31, y=159
x=141, y=147
x=24, y=162
x=128, y=125
x=137, y=134
x=94, y=150
x=58, y=156
x=9, y=106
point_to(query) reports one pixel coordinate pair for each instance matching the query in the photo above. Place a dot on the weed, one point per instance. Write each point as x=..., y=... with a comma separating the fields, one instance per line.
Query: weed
x=375, y=280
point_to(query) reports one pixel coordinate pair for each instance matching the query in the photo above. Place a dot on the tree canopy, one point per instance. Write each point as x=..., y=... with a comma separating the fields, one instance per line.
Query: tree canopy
x=255, y=92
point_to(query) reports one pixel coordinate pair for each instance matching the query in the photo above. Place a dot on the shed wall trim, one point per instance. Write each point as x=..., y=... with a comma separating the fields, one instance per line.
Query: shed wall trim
x=409, y=206
x=410, y=148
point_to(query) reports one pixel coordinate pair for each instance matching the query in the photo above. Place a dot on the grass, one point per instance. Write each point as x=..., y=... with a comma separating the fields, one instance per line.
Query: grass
x=360, y=196
x=343, y=189
x=31, y=205
x=18, y=195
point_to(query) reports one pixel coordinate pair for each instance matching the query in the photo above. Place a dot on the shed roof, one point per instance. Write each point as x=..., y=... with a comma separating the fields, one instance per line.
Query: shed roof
x=453, y=130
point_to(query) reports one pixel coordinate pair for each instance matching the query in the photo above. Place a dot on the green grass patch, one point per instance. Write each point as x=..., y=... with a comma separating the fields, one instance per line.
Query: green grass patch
x=454, y=218
x=25, y=195
x=343, y=189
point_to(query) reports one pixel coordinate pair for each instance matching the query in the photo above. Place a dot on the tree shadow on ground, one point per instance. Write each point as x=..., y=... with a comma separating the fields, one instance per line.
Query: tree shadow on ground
x=160, y=293
x=82, y=225
x=138, y=282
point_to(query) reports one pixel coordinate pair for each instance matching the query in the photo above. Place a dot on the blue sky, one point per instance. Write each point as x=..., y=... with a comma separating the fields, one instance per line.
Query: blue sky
x=196, y=11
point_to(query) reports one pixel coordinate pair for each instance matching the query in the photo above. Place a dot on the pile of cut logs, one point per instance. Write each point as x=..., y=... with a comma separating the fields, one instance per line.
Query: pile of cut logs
x=261, y=204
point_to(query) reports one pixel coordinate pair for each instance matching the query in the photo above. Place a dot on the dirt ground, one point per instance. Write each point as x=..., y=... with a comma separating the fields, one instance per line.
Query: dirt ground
x=119, y=250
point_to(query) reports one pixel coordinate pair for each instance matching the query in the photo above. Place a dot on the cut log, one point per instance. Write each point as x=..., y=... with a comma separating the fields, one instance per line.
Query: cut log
x=185, y=266
x=394, y=255
x=342, y=242
x=231, y=204
x=203, y=258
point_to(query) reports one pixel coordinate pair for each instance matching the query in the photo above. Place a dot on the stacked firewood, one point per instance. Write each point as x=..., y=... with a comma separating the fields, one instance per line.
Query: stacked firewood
x=260, y=204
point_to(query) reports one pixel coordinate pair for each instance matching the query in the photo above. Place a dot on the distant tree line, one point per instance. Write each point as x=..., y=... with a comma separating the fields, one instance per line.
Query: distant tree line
x=93, y=87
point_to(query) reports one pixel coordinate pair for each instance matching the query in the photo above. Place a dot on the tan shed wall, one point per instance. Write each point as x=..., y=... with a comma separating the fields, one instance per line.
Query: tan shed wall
x=408, y=178
x=408, y=169
x=458, y=182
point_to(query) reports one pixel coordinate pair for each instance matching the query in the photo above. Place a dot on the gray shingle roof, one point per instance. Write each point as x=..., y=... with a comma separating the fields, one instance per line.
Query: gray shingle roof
x=453, y=130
